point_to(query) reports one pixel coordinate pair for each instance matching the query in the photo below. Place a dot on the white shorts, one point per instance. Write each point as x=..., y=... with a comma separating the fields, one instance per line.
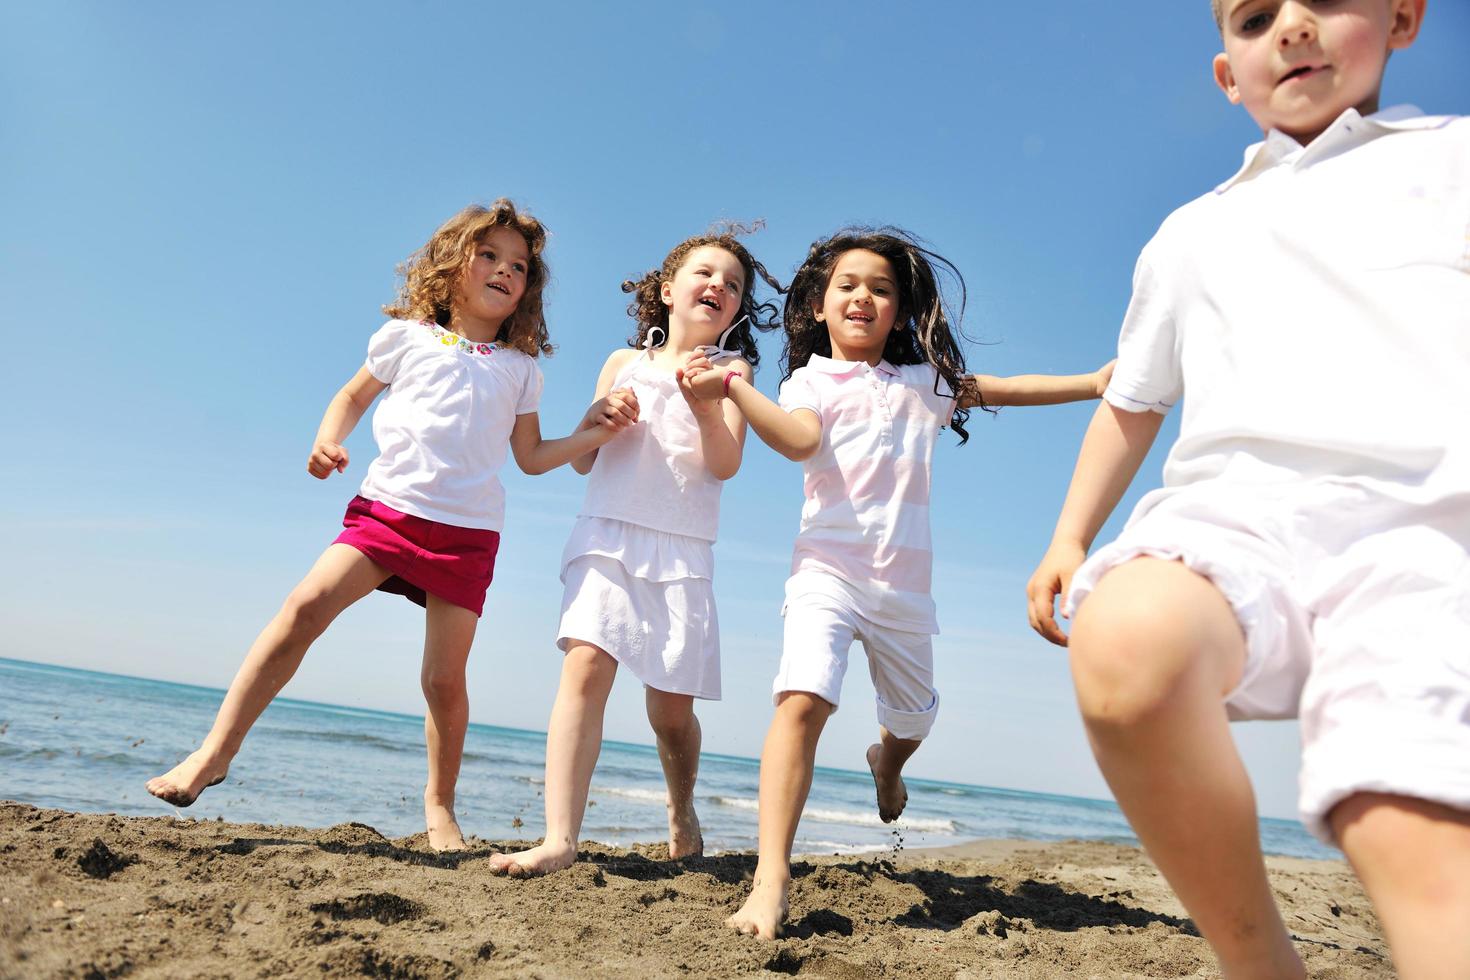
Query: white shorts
x=666, y=633
x=819, y=630
x=1356, y=614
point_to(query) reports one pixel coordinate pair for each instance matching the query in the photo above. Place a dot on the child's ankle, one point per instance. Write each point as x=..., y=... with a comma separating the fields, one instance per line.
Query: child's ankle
x=773, y=875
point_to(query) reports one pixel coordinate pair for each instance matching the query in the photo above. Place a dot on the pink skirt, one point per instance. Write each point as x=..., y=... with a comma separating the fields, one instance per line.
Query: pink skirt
x=454, y=563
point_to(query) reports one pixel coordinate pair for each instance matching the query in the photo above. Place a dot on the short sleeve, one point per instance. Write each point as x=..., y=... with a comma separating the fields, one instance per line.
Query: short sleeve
x=385, y=350
x=530, y=398
x=1148, y=377
x=941, y=402
x=798, y=391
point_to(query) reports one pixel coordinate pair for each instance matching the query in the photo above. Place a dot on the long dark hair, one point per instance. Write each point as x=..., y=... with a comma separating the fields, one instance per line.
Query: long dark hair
x=922, y=332
x=649, y=310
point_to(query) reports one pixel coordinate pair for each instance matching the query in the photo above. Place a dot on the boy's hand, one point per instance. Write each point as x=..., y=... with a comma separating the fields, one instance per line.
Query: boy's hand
x=325, y=457
x=614, y=411
x=1102, y=376
x=1052, y=578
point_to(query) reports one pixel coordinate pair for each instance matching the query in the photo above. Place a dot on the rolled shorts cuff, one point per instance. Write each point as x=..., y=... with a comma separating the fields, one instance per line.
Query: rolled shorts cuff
x=913, y=725
x=1427, y=758
x=823, y=680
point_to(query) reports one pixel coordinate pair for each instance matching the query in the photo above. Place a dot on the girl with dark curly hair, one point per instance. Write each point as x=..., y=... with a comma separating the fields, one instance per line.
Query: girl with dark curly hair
x=873, y=371
x=638, y=568
x=458, y=361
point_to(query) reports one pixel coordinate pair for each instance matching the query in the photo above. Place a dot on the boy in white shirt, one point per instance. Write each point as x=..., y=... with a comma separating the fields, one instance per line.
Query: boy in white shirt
x=1309, y=553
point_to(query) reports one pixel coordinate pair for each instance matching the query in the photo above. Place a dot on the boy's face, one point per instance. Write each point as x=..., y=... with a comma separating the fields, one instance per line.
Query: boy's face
x=1296, y=65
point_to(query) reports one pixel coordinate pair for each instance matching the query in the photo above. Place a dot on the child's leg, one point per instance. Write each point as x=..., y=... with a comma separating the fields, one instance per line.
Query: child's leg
x=1413, y=858
x=449, y=631
x=677, y=731
x=787, y=761
x=886, y=759
x=340, y=577
x=573, y=741
x=1154, y=650
x=901, y=665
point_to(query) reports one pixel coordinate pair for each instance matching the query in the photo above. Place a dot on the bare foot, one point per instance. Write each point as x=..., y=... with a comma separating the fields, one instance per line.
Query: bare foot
x=685, y=839
x=534, y=862
x=893, y=795
x=444, y=833
x=182, y=784
x=764, y=911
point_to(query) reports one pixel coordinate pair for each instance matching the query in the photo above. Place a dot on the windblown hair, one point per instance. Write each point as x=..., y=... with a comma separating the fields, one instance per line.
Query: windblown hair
x=922, y=331
x=648, y=306
x=431, y=275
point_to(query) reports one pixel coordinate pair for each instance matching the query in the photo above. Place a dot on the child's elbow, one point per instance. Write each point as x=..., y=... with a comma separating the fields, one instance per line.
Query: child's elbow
x=803, y=448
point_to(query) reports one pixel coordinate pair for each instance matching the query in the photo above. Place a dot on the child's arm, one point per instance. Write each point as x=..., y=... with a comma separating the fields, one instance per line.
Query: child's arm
x=1113, y=449
x=721, y=426
x=343, y=413
x=1036, y=389
x=613, y=404
x=535, y=455
x=795, y=435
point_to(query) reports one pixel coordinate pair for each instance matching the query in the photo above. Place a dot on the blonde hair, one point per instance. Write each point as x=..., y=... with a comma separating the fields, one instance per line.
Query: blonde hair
x=431, y=274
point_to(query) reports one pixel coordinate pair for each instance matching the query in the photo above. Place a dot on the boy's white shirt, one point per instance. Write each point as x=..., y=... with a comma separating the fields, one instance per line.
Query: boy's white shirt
x=1318, y=303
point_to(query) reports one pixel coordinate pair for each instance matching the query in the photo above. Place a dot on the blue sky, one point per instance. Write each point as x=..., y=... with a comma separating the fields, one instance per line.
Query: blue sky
x=201, y=208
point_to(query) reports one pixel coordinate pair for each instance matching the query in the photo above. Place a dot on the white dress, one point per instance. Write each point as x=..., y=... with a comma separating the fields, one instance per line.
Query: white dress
x=638, y=570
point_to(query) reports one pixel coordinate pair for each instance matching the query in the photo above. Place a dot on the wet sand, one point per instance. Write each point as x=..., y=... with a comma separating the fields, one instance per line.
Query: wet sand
x=85, y=895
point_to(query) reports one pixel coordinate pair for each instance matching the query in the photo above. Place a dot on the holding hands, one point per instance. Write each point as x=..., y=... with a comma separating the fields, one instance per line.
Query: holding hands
x=326, y=456
x=702, y=383
x=613, y=412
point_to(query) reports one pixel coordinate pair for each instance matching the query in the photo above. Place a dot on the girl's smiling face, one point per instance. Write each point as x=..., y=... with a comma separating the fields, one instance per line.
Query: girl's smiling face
x=491, y=285
x=705, y=291
x=860, y=306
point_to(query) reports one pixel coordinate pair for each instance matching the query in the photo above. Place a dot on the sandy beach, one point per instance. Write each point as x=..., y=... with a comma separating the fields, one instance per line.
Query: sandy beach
x=85, y=895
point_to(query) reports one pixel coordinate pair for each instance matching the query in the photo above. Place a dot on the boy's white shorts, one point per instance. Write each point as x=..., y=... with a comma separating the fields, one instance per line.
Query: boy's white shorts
x=820, y=627
x=1355, y=607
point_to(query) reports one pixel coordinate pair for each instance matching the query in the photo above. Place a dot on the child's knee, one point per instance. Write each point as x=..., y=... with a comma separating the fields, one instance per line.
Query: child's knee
x=443, y=685
x=804, y=707
x=1153, y=633
x=307, y=611
x=671, y=716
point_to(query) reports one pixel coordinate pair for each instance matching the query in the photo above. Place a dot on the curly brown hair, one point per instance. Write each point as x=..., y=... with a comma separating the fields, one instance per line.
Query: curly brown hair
x=922, y=331
x=648, y=306
x=431, y=274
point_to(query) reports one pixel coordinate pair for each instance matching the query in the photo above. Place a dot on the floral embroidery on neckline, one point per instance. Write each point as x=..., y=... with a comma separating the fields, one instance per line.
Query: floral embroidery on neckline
x=455, y=340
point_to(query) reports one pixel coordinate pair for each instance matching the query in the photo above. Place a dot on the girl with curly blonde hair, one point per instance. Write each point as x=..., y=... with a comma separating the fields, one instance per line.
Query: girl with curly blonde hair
x=458, y=363
x=638, y=568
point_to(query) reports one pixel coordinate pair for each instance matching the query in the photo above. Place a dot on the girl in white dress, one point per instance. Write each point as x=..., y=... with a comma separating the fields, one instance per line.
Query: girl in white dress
x=638, y=570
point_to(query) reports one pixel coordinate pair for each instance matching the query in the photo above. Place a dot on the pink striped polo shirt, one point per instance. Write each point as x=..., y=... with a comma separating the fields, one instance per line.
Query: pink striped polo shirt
x=865, y=521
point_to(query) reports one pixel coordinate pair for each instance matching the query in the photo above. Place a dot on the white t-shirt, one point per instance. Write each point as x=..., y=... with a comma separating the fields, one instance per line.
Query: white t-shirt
x=443, y=427
x=866, y=516
x=1314, y=314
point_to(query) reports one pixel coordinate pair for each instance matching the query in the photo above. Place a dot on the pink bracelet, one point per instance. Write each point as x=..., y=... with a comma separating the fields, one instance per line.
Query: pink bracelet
x=728, y=376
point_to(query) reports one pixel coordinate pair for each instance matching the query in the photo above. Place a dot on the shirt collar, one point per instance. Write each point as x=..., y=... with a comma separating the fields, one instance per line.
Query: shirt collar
x=842, y=368
x=1350, y=128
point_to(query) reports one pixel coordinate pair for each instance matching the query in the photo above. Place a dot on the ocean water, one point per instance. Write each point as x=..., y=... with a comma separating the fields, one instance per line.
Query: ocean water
x=88, y=741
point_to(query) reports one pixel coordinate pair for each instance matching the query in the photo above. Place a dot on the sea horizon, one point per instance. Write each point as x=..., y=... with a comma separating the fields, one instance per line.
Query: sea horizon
x=99, y=764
